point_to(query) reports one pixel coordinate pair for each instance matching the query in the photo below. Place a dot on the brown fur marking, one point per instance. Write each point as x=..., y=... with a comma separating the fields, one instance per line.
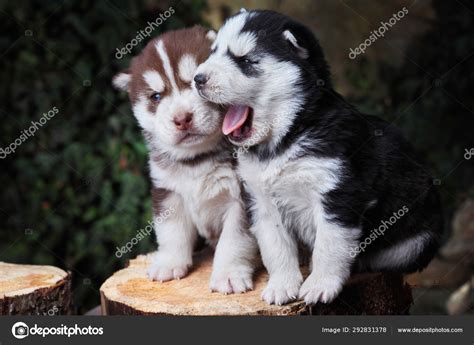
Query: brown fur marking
x=192, y=41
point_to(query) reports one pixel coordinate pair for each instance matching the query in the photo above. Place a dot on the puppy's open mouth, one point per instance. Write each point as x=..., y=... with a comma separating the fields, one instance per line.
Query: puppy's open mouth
x=238, y=122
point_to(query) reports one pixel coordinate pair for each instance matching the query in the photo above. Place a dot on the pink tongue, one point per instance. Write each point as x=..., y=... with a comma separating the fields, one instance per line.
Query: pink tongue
x=234, y=118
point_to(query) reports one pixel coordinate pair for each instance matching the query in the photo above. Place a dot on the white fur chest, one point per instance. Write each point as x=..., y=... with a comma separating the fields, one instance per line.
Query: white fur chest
x=294, y=186
x=206, y=190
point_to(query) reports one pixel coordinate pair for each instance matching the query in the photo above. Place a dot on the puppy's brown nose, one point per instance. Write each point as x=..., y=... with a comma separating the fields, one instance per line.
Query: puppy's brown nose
x=183, y=121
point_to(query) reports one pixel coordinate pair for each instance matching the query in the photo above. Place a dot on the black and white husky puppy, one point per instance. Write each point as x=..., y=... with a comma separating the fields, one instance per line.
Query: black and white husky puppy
x=347, y=185
x=195, y=187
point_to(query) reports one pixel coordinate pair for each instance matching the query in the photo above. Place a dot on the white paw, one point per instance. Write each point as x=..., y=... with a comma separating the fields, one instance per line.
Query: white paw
x=320, y=289
x=282, y=289
x=164, y=268
x=234, y=281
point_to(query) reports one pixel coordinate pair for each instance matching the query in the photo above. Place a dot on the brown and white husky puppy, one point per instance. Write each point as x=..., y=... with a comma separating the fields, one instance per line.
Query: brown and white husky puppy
x=195, y=187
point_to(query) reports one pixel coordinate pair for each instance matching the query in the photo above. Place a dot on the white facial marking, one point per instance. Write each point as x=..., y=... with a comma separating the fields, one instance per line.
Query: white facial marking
x=243, y=45
x=232, y=26
x=186, y=68
x=145, y=119
x=160, y=47
x=154, y=80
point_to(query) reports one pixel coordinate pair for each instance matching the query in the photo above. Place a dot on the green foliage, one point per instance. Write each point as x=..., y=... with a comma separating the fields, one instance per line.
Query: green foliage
x=80, y=185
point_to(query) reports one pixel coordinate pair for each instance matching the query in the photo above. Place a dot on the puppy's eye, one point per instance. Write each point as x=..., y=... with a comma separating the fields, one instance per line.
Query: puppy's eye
x=248, y=61
x=156, y=96
x=245, y=60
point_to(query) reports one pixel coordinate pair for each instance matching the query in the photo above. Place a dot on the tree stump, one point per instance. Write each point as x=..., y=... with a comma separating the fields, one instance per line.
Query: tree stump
x=130, y=292
x=34, y=290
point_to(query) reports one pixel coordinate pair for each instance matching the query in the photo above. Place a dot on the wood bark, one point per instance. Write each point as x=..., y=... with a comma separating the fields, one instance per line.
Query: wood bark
x=34, y=290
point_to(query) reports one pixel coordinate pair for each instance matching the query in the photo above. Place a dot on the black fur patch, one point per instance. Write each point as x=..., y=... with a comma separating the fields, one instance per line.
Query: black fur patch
x=248, y=65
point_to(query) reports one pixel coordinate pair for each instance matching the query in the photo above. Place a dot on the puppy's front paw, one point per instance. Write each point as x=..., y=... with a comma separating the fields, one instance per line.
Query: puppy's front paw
x=282, y=289
x=232, y=281
x=164, y=268
x=320, y=289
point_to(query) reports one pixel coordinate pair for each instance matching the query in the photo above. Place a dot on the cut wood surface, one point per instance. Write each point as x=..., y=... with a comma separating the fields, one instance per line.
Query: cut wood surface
x=34, y=290
x=130, y=292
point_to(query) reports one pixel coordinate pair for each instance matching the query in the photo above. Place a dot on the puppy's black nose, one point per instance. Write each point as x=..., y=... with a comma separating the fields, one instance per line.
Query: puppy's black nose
x=200, y=79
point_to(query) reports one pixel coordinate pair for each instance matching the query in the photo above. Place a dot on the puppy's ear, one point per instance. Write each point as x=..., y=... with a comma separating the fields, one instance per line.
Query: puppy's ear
x=300, y=51
x=211, y=35
x=122, y=80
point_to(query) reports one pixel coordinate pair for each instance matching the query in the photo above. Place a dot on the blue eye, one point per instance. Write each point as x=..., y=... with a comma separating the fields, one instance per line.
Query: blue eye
x=156, y=96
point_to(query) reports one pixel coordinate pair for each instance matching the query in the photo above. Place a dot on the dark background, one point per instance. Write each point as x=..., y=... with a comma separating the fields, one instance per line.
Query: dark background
x=79, y=188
